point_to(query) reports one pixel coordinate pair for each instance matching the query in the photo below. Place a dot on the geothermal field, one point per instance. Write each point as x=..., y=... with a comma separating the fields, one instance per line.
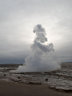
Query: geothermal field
x=58, y=79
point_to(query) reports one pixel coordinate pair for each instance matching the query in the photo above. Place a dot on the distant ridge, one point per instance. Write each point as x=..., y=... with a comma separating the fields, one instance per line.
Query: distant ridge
x=10, y=65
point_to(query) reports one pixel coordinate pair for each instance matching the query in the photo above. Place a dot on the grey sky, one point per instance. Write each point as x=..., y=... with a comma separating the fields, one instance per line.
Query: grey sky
x=18, y=17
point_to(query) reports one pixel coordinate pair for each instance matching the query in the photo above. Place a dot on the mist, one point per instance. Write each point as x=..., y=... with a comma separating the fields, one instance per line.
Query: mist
x=42, y=55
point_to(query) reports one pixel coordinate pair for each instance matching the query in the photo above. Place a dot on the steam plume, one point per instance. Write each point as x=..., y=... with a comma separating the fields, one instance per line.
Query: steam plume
x=42, y=57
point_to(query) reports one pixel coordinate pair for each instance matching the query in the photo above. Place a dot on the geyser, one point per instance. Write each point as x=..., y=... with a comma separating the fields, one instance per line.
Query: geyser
x=42, y=55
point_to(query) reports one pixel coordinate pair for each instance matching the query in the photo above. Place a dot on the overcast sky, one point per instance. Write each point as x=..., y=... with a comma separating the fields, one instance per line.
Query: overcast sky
x=18, y=18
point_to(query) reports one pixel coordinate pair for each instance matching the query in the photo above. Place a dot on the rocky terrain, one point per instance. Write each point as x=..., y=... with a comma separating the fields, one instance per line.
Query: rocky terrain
x=58, y=79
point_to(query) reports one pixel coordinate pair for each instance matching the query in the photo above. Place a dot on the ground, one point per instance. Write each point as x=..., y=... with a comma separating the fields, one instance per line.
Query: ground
x=20, y=89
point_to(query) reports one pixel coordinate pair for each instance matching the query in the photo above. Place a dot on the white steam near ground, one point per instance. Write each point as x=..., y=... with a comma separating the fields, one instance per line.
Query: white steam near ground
x=42, y=55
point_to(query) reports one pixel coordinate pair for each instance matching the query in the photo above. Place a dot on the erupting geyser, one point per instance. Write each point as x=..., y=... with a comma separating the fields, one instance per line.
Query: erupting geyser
x=41, y=57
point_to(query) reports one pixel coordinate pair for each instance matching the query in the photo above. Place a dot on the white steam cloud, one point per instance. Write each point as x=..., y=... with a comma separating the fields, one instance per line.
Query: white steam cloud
x=42, y=56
